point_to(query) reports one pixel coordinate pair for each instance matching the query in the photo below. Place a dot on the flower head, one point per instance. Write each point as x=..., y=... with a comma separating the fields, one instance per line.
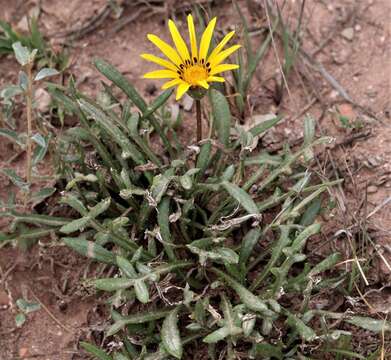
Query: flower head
x=194, y=68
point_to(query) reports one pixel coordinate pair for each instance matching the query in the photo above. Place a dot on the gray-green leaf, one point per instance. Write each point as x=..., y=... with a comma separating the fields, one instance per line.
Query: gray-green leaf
x=16, y=179
x=22, y=53
x=170, y=335
x=221, y=116
x=20, y=319
x=113, y=284
x=26, y=306
x=305, y=331
x=75, y=225
x=241, y=196
x=94, y=350
x=116, y=134
x=217, y=335
x=247, y=297
x=141, y=290
x=249, y=241
x=90, y=249
x=370, y=324
x=138, y=318
x=44, y=73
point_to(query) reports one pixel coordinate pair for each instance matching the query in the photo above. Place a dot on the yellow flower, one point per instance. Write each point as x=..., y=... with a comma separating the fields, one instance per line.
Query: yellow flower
x=194, y=68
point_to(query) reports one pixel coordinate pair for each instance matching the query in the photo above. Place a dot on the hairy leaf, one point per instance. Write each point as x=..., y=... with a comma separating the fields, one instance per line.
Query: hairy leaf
x=90, y=249
x=221, y=116
x=241, y=196
x=170, y=335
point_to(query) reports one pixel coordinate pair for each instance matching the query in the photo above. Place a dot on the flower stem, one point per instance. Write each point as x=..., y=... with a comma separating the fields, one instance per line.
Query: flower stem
x=199, y=120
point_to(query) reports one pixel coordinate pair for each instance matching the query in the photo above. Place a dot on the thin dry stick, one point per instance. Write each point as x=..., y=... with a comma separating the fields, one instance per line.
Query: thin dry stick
x=49, y=312
x=92, y=24
x=378, y=207
x=374, y=310
x=360, y=268
x=127, y=20
x=364, y=299
x=4, y=276
x=199, y=120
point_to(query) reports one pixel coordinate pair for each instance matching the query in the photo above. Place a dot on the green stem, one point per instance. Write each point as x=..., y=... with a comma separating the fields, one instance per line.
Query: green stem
x=199, y=120
x=29, y=110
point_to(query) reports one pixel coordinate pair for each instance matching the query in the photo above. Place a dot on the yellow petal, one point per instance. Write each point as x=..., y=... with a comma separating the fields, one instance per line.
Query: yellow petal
x=178, y=41
x=182, y=88
x=215, y=78
x=192, y=36
x=223, y=67
x=206, y=38
x=171, y=83
x=159, y=61
x=165, y=49
x=161, y=74
x=220, y=57
x=203, y=83
x=220, y=46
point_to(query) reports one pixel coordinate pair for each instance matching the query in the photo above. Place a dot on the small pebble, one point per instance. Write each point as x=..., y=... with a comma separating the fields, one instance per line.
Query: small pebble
x=348, y=33
x=371, y=189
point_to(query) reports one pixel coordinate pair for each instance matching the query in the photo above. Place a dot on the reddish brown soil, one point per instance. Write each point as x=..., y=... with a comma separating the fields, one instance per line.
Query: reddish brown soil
x=361, y=65
x=50, y=277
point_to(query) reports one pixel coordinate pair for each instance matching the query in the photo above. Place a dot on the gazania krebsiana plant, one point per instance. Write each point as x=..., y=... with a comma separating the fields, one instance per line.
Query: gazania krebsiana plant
x=194, y=68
